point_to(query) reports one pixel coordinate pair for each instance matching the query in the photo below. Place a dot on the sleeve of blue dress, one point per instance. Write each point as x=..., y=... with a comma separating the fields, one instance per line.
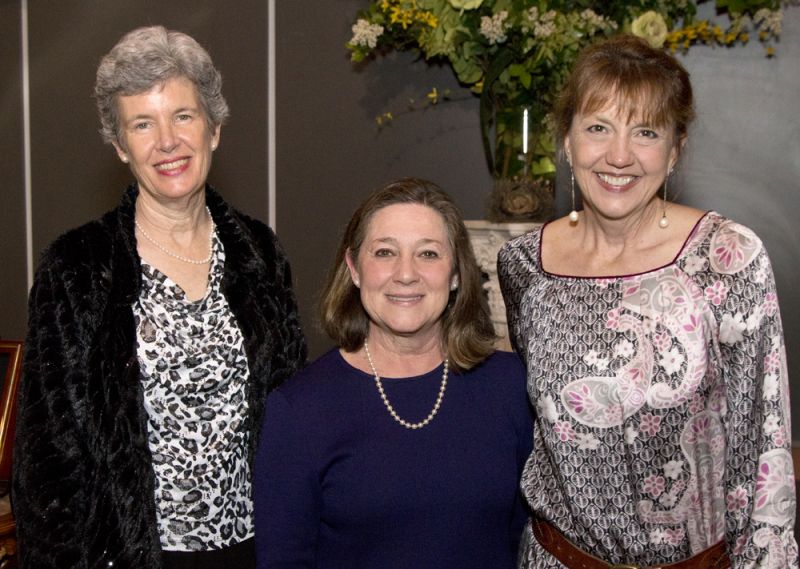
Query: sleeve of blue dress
x=759, y=479
x=286, y=490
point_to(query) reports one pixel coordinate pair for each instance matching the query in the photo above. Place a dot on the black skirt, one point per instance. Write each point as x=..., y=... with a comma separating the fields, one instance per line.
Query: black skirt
x=240, y=555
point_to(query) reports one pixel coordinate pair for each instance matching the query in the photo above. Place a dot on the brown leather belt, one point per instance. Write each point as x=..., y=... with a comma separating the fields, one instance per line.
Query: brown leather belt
x=574, y=557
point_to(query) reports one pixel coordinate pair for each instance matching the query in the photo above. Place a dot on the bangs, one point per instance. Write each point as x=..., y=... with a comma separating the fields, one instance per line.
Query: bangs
x=640, y=100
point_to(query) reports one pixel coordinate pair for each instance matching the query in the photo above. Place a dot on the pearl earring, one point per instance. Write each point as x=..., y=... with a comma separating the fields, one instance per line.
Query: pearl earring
x=573, y=215
x=124, y=159
x=663, y=223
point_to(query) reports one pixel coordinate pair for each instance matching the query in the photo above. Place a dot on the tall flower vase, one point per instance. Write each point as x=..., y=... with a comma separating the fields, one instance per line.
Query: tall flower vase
x=519, y=151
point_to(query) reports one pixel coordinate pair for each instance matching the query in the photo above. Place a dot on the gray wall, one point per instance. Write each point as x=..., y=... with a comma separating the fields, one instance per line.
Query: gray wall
x=743, y=159
x=13, y=288
x=74, y=176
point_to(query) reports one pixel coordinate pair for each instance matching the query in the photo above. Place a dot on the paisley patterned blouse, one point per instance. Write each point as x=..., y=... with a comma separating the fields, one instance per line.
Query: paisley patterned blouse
x=662, y=397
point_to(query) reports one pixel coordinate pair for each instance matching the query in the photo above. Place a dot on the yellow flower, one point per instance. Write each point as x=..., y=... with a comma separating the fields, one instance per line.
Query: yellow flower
x=433, y=96
x=427, y=18
x=770, y=51
x=465, y=4
x=400, y=16
x=384, y=118
x=650, y=26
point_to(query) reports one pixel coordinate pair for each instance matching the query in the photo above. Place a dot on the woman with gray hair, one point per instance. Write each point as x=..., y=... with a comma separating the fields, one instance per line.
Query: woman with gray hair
x=155, y=334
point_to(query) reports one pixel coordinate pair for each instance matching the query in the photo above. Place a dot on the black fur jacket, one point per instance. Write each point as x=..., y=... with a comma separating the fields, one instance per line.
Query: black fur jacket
x=83, y=484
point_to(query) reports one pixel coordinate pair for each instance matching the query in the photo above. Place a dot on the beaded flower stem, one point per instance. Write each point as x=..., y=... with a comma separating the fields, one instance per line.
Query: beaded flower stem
x=181, y=257
x=389, y=407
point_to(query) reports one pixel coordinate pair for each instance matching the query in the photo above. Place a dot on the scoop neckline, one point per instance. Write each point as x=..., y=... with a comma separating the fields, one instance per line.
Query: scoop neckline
x=686, y=242
x=433, y=371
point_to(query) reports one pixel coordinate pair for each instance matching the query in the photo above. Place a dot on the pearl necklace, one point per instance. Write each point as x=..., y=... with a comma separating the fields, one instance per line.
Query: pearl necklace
x=389, y=407
x=181, y=257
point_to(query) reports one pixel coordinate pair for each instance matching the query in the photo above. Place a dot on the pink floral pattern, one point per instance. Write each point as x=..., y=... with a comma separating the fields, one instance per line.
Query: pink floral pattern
x=737, y=499
x=647, y=425
x=717, y=293
x=654, y=485
x=650, y=424
x=564, y=430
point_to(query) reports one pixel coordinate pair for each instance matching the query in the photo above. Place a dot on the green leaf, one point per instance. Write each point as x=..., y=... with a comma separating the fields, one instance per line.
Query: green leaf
x=543, y=166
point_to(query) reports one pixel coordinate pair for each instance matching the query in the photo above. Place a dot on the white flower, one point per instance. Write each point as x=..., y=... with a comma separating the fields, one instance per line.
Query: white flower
x=673, y=469
x=591, y=357
x=587, y=441
x=754, y=320
x=731, y=328
x=601, y=363
x=366, y=34
x=693, y=264
x=545, y=26
x=546, y=407
x=650, y=26
x=771, y=423
x=630, y=434
x=771, y=385
x=657, y=536
x=494, y=28
x=623, y=349
x=592, y=18
x=769, y=21
x=667, y=499
x=672, y=361
x=465, y=4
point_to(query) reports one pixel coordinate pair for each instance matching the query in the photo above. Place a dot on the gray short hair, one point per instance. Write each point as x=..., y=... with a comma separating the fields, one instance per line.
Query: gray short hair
x=149, y=56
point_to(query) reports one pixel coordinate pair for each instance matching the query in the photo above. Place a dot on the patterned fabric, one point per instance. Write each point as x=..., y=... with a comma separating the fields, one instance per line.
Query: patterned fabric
x=194, y=376
x=662, y=398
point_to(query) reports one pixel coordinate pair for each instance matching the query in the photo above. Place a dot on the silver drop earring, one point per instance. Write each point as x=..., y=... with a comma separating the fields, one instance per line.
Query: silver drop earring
x=573, y=215
x=663, y=223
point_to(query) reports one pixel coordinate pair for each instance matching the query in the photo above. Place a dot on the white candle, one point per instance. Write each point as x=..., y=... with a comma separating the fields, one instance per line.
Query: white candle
x=525, y=131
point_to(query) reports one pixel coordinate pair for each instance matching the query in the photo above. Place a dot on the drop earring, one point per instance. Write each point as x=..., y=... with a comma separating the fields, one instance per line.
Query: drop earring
x=573, y=215
x=663, y=223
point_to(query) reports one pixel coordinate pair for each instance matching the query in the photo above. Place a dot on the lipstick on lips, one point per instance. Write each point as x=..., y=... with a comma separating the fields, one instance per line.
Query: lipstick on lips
x=173, y=166
x=616, y=183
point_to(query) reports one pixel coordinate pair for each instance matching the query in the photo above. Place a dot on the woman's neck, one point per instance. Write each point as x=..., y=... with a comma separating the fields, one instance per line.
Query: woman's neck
x=403, y=356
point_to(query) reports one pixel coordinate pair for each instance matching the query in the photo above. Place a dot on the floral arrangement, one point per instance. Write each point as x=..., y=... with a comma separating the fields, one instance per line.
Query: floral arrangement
x=514, y=55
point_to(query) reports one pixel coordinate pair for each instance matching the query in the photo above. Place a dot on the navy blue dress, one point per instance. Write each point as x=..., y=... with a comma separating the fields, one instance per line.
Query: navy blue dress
x=340, y=484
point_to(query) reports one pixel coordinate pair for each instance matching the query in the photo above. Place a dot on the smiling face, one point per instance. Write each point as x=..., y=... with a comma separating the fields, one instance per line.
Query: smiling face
x=166, y=140
x=404, y=271
x=619, y=161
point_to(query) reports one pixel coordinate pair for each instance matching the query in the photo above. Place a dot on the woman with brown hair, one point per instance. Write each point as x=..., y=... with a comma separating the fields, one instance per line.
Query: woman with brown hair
x=653, y=344
x=403, y=446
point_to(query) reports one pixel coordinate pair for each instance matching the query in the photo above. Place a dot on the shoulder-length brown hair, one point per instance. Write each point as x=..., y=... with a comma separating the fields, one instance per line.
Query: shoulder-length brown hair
x=467, y=332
